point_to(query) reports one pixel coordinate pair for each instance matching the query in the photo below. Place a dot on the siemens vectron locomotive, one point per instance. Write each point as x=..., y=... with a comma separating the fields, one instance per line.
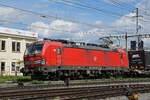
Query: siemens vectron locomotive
x=53, y=59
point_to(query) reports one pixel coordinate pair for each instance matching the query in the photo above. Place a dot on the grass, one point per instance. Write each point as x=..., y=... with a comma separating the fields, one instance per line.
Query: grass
x=85, y=99
x=108, y=79
x=28, y=78
x=49, y=82
x=14, y=78
x=57, y=98
x=37, y=82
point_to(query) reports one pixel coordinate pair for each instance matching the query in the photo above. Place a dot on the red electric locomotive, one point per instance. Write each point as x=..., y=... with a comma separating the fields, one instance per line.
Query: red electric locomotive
x=53, y=59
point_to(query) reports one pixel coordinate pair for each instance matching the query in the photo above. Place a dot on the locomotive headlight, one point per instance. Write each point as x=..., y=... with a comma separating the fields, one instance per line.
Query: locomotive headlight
x=27, y=62
x=43, y=61
x=37, y=61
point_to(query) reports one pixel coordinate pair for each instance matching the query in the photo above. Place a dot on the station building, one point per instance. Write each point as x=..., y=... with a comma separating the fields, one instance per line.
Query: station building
x=12, y=47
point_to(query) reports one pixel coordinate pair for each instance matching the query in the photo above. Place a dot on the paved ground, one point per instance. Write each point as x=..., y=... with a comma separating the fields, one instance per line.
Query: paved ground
x=143, y=96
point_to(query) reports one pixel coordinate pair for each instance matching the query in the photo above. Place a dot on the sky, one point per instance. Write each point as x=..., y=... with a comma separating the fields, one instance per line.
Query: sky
x=77, y=20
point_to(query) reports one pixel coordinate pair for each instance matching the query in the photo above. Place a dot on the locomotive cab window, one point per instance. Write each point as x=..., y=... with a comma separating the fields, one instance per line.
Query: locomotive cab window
x=58, y=51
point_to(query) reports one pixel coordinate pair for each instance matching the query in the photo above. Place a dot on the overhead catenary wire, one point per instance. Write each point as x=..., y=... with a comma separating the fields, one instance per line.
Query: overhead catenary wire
x=35, y=26
x=55, y=16
x=83, y=8
x=141, y=8
x=79, y=38
x=117, y=5
x=94, y=8
x=125, y=5
x=50, y=16
x=129, y=6
x=144, y=20
x=59, y=30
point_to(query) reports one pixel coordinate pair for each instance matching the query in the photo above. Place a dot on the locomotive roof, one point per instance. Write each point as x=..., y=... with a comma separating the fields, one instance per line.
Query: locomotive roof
x=83, y=45
x=89, y=47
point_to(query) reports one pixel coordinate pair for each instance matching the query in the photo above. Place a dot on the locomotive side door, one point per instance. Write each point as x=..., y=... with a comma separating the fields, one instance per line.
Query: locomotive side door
x=121, y=60
x=53, y=55
x=58, y=56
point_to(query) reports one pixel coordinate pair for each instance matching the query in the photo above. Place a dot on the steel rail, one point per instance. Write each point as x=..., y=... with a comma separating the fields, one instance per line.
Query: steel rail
x=76, y=93
x=73, y=85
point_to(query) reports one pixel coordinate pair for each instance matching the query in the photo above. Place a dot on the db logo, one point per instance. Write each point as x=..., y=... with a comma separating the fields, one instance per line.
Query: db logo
x=54, y=50
x=95, y=58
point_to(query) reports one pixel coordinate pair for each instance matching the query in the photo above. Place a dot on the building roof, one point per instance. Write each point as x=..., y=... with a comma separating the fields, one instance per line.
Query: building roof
x=18, y=32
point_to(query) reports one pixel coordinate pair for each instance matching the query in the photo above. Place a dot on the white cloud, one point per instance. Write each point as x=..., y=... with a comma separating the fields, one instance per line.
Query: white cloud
x=91, y=36
x=66, y=30
x=143, y=4
x=9, y=14
x=76, y=32
x=127, y=23
x=146, y=43
x=41, y=28
x=64, y=25
x=144, y=20
x=128, y=19
x=56, y=29
x=14, y=17
x=98, y=22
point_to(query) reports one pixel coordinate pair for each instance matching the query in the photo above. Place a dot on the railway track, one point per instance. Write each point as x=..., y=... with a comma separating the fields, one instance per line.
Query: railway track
x=83, y=84
x=76, y=93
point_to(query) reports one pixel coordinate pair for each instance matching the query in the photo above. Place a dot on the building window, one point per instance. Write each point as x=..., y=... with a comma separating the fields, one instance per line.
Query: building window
x=13, y=46
x=13, y=66
x=3, y=44
x=2, y=66
x=17, y=68
x=16, y=46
